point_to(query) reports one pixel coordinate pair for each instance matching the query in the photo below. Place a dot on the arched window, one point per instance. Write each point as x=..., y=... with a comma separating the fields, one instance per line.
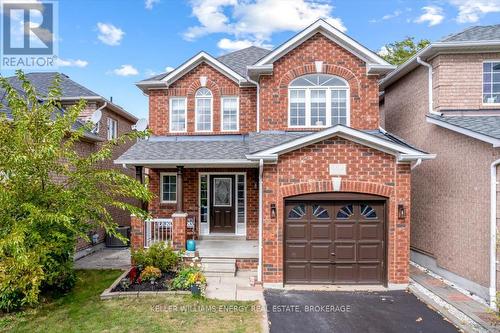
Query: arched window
x=203, y=110
x=318, y=100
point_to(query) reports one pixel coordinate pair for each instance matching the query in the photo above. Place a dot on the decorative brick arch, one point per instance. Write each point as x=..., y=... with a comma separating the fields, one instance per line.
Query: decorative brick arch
x=211, y=85
x=343, y=72
x=327, y=186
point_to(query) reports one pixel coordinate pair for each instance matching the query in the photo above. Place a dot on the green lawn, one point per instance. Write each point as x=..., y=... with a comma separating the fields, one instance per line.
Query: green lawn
x=83, y=311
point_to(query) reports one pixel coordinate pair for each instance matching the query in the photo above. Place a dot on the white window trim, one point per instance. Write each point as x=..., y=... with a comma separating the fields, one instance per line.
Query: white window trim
x=170, y=100
x=237, y=114
x=112, y=135
x=161, y=187
x=328, y=105
x=482, y=83
x=211, y=114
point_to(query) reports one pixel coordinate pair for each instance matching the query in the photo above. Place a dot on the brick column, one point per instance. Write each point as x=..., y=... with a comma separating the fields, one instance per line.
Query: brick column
x=179, y=230
x=136, y=233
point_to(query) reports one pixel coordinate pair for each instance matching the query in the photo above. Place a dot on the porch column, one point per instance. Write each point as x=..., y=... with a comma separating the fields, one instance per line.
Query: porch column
x=139, y=176
x=180, y=194
x=179, y=217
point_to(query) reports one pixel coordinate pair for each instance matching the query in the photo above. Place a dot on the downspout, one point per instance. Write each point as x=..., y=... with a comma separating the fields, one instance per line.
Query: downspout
x=493, y=236
x=261, y=171
x=417, y=163
x=258, y=101
x=429, y=66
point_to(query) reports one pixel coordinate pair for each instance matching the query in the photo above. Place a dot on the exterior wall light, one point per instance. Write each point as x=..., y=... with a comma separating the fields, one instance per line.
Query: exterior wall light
x=401, y=212
x=273, y=211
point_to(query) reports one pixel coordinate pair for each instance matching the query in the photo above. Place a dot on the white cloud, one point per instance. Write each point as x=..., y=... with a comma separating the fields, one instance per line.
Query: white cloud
x=383, y=51
x=255, y=21
x=109, y=34
x=126, y=70
x=432, y=14
x=232, y=45
x=168, y=69
x=150, y=3
x=470, y=11
x=71, y=63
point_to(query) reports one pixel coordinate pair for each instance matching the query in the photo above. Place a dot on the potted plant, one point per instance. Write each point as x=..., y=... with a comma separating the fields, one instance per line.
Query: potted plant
x=197, y=282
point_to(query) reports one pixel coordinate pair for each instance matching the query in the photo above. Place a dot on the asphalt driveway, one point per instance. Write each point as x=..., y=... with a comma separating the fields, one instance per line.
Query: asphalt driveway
x=344, y=312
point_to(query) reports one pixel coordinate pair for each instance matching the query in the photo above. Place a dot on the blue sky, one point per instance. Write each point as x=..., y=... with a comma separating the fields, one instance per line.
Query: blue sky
x=108, y=45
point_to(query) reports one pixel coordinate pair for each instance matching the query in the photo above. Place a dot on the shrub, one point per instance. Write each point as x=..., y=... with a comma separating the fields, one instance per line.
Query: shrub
x=181, y=281
x=160, y=255
x=150, y=273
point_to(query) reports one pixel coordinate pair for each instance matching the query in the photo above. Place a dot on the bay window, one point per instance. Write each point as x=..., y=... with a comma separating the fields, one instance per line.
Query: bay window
x=318, y=100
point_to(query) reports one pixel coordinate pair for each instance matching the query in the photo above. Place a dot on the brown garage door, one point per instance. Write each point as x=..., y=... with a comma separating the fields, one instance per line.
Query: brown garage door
x=334, y=242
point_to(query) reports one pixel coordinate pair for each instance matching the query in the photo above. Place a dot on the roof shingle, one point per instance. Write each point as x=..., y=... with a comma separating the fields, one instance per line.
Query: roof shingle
x=477, y=33
x=485, y=125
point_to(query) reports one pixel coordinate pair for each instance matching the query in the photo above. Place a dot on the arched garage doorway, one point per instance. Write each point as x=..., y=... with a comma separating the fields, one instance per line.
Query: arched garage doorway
x=335, y=238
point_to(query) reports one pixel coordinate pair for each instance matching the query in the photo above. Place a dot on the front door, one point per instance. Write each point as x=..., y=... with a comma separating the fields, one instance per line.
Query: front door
x=222, y=213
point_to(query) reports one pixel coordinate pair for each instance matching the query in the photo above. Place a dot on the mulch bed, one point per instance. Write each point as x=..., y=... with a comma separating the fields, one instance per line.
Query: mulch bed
x=159, y=285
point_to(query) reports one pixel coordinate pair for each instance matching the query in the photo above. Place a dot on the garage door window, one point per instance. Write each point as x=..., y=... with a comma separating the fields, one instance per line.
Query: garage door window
x=345, y=212
x=297, y=212
x=368, y=212
x=320, y=212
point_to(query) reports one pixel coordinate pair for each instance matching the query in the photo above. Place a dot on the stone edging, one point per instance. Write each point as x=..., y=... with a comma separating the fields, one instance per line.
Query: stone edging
x=108, y=294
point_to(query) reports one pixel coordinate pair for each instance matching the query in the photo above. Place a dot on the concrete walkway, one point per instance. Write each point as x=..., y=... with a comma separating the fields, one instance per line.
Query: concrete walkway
x=107, y=258
x=461, y=309
x=234, y=288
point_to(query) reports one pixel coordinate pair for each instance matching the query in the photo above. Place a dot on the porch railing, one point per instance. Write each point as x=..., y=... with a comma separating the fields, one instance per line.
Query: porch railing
x=157, y=230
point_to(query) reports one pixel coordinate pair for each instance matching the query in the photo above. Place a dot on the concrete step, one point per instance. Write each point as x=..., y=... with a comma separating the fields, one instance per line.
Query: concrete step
x=218, y=266
x=222, y=237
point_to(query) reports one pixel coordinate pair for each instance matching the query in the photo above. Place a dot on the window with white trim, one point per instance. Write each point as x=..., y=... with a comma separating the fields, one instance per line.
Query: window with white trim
x=229, y=114
x=203, y=110
x=178, y=110
x=112, y=129
x=491, y=82
x=168, y=187
x=318, y=100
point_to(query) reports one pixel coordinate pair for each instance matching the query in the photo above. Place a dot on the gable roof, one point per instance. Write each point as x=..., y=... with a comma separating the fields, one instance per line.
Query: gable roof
x=373, y=60
x=484, y=128
x=386, y=143
x=474, y=39
x=486, y=32
x=165, y=80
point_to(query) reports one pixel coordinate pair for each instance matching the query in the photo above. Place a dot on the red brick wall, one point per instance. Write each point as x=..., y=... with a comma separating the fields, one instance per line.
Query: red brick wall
x=219, y=84
x=336, y=61
x=119, y=216
x=306, y=170
x=191, y=196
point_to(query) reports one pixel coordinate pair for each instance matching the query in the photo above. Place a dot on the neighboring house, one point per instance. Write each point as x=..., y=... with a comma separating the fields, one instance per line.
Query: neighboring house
x=283, y=147
x=454, y=197
x=115, y=121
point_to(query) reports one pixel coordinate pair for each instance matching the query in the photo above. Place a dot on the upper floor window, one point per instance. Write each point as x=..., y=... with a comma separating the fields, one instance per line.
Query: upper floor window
x=318, y=100
x=203, y=110
x=229, y=114
x=178, y=119
x=491, y=82
x=112, y=129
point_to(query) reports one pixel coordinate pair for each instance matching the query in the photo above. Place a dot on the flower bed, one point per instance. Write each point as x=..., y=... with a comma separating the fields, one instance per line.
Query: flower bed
x=159, y=269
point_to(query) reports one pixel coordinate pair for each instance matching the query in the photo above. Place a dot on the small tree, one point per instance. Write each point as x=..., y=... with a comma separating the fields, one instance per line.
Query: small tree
x=398, y=52
x=50, y=194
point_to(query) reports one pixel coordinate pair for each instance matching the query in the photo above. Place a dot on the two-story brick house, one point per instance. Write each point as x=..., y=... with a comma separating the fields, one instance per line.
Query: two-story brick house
x=115, y=121
x=281, y=148
x=446, y=99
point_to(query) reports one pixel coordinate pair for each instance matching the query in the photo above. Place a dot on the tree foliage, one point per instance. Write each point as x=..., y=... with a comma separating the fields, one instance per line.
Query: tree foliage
x=50, y=194
x=398, y=52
